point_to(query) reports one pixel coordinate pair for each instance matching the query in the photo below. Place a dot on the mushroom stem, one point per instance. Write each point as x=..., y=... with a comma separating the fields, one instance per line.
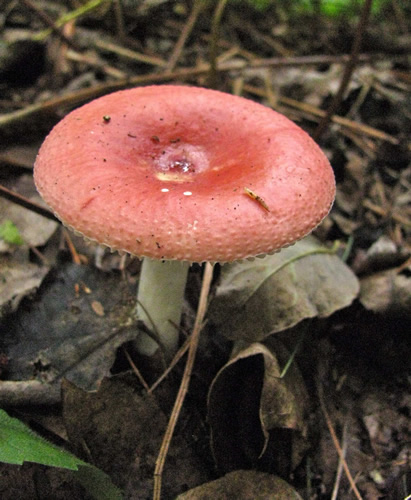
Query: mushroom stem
x=159, y=303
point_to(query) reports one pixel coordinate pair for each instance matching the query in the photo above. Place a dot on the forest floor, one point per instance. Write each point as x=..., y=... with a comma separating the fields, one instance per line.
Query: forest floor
x=66, y=366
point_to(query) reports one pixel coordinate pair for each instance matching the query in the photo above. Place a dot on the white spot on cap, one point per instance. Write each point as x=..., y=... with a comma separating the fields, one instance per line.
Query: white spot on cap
x=187, y=193
x=165, y=190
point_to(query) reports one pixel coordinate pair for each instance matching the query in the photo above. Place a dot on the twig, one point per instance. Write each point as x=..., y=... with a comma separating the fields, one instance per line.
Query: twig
x=50, y=23
x=349, y=69
x=250, y=29
x=401, y=219
x=119, y=15
x=317, y=112
x=76, y=98
x=179, y=354
x=202, y=307
x=73, y=252
x=185, y=33
x=40, y=256
x=215, y=30
x=129, y=54
x=400, y=16
x=29, y=392
x=136, y=371
x=340, y=469
x=337, y=446
x=26, y=203
x=74, y=14
x=94, y=61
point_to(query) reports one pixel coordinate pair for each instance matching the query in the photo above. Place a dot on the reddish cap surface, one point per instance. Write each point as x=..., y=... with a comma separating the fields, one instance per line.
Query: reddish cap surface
x=173, y=172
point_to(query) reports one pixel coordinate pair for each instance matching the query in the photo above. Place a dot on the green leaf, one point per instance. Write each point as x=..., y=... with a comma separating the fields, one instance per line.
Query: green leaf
x=19, y=444
x=97, y=483
x=334, y=8
x=260, y=4
x=10, y=234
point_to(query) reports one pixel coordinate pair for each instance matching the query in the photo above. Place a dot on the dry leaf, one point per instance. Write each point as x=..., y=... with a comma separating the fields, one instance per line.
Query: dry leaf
x=33, y=228
x=65, y=336
x=387, y=292
x=258, y=298
x=17, y=280
x=255, y=414
x=121, y=432
x=243, y=485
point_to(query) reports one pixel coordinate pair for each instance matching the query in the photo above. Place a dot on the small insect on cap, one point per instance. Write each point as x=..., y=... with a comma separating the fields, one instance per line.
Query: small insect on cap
x=174, y=172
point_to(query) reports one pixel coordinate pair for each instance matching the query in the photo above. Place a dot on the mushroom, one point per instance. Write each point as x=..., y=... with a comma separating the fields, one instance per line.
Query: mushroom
x=180, y=174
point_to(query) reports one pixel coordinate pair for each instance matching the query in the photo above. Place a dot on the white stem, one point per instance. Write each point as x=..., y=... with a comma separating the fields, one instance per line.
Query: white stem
x=159, y=303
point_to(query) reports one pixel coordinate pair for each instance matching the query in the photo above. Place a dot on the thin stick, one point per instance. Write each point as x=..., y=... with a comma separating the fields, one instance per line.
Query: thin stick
x=128, y=54
x=336, y=488
x=21, y=200
x=179, y=354
x=78, y=97
x=305, y=107
x=28, y=392
x=202, y=307
x=400, y=17
x=119, y=15
x=70, y=16
x=401, y=219
x=185, y=33
x=74, y=254
x=338, y=447
x=136, y=371
x=349, y=69
x=50, y=23
x=215, y=30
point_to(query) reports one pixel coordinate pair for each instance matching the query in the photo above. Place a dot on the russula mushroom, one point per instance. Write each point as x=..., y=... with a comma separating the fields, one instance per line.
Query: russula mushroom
x=180, y=174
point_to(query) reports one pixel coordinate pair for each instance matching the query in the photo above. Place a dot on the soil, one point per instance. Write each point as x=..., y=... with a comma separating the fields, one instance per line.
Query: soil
x=354, y=364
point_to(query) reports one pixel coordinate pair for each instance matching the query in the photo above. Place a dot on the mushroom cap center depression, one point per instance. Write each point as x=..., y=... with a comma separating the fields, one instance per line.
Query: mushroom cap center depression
x=162, y=171
x=179, y=163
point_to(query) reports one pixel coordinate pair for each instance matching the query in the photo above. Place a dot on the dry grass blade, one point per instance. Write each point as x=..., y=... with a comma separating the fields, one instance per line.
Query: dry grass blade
x=338, y=447
x=136, y=371
x=336, y=488
x=304, y=107
x=349, y=69
x=180, y=353
x=74, y=254
x=202, y=308
x=185, y=33
x=50, y=23
x=215, y=29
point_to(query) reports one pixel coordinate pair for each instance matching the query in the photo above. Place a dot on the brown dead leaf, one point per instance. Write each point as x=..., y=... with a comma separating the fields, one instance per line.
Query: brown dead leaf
x=255, y=299
x=33, y=228
x=254, y=414
x=387, y=292
x=243, y=485
x=120, y=431
x=17, y=280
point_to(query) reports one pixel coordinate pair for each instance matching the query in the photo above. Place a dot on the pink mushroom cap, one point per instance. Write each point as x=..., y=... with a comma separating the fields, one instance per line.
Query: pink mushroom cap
x=174, y=172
